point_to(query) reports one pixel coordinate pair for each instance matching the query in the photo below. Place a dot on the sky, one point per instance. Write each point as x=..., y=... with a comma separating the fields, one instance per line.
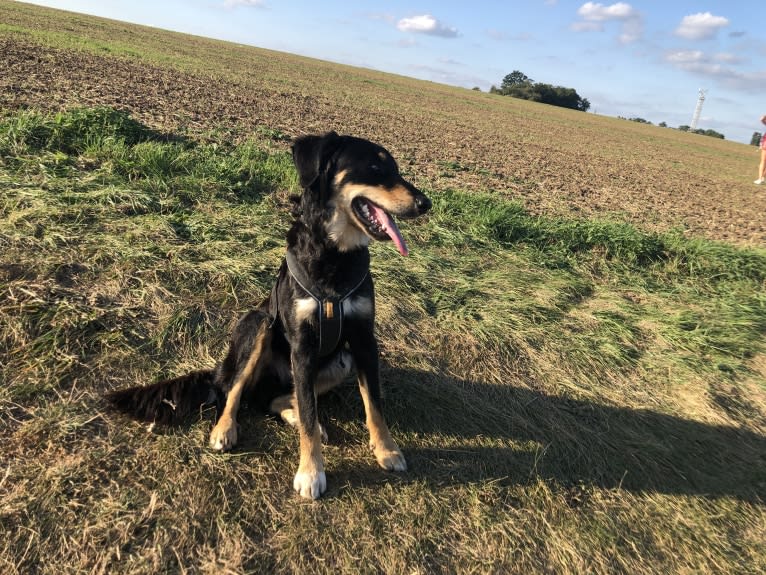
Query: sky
x=638, y=59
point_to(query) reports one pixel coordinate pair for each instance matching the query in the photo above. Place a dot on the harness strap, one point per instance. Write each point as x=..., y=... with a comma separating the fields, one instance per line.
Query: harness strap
x=329, y=309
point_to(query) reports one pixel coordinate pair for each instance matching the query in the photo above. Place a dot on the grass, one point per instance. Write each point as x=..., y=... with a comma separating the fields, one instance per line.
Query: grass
x=572, y=395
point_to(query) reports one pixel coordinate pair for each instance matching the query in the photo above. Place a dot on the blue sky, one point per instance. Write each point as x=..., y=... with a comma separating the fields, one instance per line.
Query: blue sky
x=645, y=59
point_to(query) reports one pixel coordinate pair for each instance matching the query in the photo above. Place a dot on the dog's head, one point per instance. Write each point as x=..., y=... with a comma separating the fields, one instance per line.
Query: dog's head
x=357, y=188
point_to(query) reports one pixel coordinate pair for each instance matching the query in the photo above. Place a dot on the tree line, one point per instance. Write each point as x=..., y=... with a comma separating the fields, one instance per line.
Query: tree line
x=682, y=128
x=518, y=85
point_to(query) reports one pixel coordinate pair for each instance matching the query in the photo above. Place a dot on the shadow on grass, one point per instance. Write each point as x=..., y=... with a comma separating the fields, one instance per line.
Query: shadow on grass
x=513, y=435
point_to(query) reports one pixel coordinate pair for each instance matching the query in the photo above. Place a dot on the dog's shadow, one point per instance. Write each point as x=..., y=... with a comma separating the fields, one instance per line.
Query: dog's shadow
x=514, y=435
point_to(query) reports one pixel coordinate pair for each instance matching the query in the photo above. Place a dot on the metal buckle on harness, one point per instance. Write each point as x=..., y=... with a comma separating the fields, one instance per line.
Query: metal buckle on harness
x=330, y=325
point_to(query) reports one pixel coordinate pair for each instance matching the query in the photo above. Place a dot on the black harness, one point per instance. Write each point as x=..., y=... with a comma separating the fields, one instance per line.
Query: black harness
x=329, y=309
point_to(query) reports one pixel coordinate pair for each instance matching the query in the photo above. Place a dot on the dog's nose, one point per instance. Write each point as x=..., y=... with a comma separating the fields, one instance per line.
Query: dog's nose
x=423, y=203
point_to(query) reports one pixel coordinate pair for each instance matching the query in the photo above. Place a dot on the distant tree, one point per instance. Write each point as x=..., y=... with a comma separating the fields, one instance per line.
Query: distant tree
x=476, y=89
x=515, y=78
x=519, y=85
x=640, y=120
x=684, y=128
x=711, y=133
x=663, y=124
x=756, y=139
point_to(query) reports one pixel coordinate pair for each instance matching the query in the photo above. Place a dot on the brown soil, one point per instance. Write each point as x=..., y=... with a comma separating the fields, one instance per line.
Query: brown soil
x=555, y=161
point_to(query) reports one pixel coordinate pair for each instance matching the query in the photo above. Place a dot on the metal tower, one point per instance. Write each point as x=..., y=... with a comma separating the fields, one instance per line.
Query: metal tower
x=698, y=110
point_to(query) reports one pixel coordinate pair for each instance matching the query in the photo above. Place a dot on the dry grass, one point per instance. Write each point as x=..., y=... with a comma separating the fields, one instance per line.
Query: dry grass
x=573, y=395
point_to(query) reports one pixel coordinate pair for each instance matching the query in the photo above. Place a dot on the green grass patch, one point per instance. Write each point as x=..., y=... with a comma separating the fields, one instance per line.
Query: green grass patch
x=71, y=132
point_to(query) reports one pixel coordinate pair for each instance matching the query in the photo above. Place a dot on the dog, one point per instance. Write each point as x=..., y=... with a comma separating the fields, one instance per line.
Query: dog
x=316, y=327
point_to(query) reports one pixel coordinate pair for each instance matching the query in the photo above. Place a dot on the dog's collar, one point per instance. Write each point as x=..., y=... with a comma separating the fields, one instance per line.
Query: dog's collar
x=329, y=309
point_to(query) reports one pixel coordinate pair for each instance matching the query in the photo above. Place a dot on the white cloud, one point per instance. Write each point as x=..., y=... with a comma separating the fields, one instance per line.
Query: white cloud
x=717, y=68
x=594, y=16
x=685, y=57
x=426, y=24
x=697, y=58
x=595, y=12
x=632, y=30
x=700, y=26
x=384, y=16
x=728, y=58
x=235, y=3
x=587, y=26
x=447, y=75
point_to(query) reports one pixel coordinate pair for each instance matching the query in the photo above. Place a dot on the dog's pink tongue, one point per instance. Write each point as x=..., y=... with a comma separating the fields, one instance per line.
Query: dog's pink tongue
x=390, y=226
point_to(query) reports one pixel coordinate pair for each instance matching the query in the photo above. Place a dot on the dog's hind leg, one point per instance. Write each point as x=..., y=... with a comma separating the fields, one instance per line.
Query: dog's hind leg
x=248, y=353
x=332, y=374
x=387, y=452
x=284, y=406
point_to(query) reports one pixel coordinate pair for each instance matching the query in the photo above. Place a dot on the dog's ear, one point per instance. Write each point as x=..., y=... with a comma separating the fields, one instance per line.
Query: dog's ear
x=311, y=154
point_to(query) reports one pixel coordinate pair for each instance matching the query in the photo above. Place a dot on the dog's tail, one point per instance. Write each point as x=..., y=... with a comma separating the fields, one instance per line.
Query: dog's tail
x=168, y=401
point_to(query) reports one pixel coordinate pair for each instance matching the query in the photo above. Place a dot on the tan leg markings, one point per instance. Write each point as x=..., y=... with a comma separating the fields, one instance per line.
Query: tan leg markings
x=224, y=434
x=384, y=447
x=310, y=480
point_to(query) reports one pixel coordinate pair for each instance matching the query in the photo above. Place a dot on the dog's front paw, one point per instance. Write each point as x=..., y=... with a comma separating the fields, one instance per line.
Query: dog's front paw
x=224, y=435
x=310, y=484
x=390, y=459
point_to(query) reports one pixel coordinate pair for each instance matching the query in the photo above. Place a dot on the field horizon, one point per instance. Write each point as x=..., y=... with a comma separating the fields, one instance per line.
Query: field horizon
x=658, y=178
x=573, y=353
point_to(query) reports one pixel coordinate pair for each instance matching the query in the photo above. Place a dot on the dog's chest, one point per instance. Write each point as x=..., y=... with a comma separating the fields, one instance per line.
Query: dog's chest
x=354, y=307
x=326, y=310
x=329, y=316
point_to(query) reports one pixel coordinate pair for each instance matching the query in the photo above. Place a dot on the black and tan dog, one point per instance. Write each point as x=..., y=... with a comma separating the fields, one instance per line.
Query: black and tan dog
x=317, y=325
